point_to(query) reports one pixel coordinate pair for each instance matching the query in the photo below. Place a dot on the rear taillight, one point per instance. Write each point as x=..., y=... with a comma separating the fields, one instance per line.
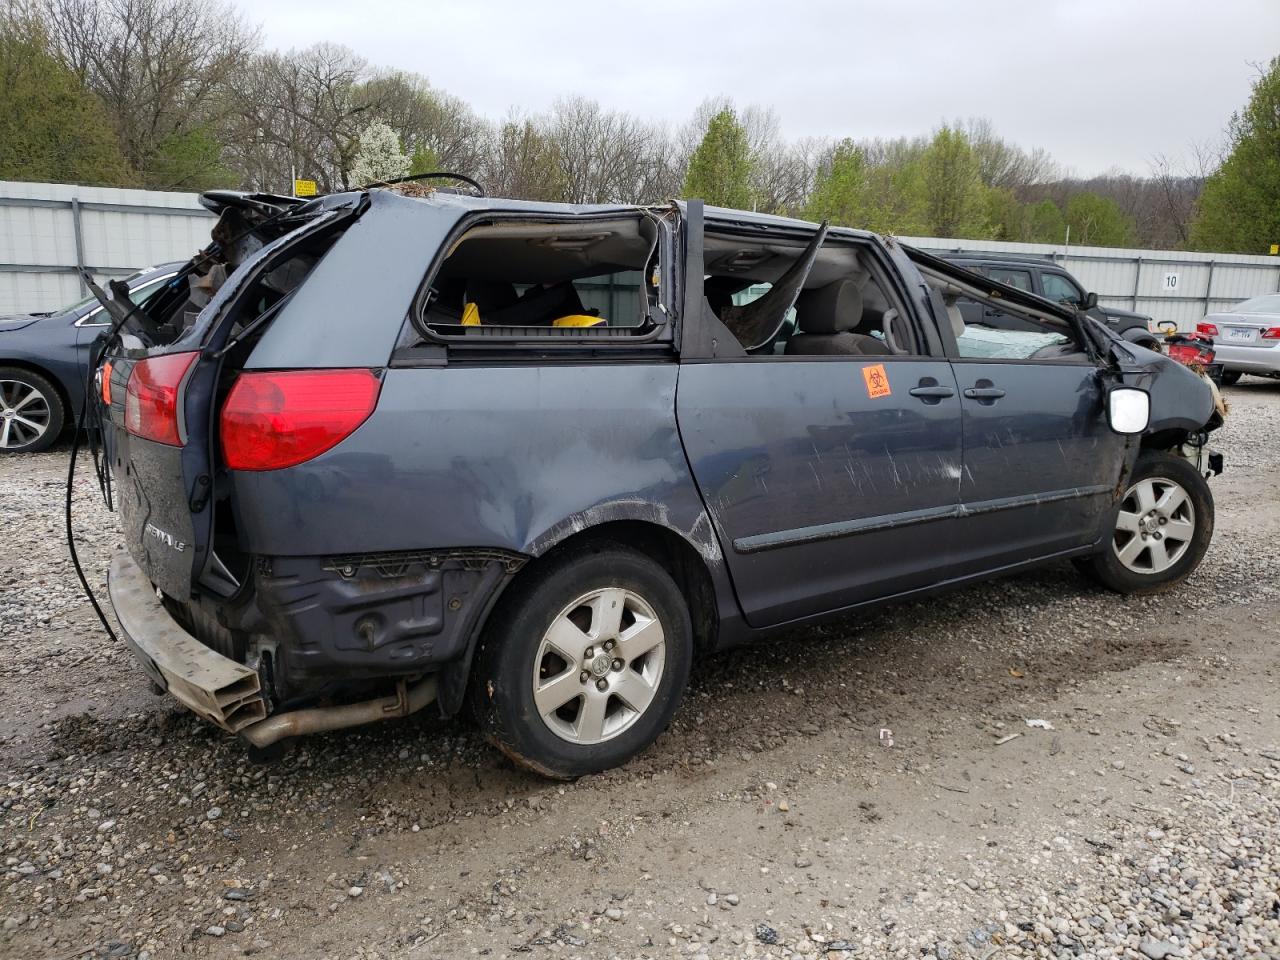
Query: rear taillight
x=1271, y=333
x=105, y=374
x=281, y=418
x=151, y=399
x=1207, y=329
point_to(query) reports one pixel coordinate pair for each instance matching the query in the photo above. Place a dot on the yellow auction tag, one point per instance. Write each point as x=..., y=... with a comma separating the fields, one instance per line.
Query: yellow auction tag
x=304, y=188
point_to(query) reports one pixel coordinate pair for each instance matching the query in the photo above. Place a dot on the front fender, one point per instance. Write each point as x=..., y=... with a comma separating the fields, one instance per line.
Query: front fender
x=1181, y=400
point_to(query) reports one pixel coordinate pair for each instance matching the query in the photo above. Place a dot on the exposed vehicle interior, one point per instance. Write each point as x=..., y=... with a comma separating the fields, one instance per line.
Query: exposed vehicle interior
x=783, y=297
x=597, y=277
x=1043, y=337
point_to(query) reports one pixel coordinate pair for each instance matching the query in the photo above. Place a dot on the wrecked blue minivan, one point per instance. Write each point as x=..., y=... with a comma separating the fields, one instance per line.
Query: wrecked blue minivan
x=376, y=451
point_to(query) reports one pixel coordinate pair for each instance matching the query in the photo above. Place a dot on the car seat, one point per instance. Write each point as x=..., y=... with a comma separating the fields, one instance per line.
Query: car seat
x=826, y=318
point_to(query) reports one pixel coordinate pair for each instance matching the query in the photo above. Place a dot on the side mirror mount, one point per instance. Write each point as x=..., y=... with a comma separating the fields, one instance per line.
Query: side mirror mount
x=1128, y=410
x=1090, y=301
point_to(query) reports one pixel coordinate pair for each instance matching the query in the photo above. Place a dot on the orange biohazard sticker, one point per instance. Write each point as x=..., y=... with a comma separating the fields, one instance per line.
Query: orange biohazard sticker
x=877, y=381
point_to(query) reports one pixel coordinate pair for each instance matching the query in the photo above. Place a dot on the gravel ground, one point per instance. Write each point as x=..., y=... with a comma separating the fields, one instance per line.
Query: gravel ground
x=1141, y=819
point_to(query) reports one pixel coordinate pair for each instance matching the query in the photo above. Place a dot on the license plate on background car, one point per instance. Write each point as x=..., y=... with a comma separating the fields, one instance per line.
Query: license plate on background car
x=1240, y=333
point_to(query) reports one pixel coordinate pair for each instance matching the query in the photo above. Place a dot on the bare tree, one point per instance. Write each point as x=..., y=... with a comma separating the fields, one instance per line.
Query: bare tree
x=523, y=162
x=300, y=111
x=160, y=66
x=1002, y=164
x=428, y=120
x=1179, y=183
x=605, y=156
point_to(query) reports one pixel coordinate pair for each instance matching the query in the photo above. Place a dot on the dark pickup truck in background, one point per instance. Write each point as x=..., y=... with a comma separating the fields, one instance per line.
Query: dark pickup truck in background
x=1051, y=281
x=529, y=458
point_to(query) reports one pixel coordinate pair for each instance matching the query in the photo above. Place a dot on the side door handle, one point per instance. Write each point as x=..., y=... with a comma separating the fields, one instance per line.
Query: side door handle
x=930, y=391
x=984, y=391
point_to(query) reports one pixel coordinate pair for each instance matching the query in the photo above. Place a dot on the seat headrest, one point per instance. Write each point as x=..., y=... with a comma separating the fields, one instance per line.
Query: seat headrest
x=955, y=315
x=835, y=308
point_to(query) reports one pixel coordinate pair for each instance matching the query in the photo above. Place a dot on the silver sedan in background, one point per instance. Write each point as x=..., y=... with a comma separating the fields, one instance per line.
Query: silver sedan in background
x=1246, y=338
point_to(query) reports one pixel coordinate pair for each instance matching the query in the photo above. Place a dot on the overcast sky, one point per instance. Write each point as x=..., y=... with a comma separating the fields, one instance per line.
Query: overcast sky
x=1100, y=84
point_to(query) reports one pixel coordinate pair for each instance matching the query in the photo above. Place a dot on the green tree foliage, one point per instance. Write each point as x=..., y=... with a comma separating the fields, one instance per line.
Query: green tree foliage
x=1239, y=209
x=51, y=128
x=952, y=190
x=424, y=160
x=1007, y=218
x=842, y=188
x=190, y=160
x=1045, y=222
x=720, y=168
x=1098, y=221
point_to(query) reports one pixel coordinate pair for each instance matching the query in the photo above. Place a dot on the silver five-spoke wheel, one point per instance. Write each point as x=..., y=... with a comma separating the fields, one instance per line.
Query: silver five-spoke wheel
x=24, y=414
x=599, y=666
x=1155, y=526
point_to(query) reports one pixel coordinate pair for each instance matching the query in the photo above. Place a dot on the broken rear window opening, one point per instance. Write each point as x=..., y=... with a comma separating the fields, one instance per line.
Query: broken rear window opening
x=521, y=280
x=240, y=236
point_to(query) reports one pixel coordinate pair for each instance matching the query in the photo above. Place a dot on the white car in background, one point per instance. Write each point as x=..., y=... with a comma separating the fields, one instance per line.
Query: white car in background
x=1246, y=338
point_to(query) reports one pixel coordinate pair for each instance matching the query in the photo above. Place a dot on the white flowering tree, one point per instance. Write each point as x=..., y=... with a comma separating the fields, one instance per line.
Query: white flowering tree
x=379, y=156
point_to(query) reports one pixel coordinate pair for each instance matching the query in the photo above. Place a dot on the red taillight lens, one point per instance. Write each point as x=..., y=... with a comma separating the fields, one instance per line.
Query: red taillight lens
x=151, y=399
x=282, y=418
x=1207, y=329
x=105, y=373
x=1191, y=353
x=1271, y=333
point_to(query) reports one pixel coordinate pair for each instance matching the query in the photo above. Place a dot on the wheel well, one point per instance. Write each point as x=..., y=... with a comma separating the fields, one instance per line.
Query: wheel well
x=673, y=553
x=70, y=414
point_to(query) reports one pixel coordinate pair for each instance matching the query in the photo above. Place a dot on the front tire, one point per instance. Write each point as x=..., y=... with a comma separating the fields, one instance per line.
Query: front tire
x=31, y=411
x=584, y=662
x=1161, y=530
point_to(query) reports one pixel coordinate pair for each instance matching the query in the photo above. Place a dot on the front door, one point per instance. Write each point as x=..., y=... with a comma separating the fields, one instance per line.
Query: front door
x=830, y=480
x=1040, y=461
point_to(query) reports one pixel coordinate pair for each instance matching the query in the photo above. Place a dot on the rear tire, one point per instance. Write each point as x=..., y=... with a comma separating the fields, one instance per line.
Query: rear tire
x=584, y=662
x=1231, y=377
x=31, y=411
x=1161, y=528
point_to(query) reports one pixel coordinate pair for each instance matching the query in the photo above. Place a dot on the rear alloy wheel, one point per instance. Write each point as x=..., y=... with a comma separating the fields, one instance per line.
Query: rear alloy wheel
x=584, y=662
x=31, y=414
x=1162, y=527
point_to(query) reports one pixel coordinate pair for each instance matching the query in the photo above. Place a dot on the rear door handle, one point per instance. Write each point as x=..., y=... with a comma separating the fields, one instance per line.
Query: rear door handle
x=984, y=391
x=930, y=391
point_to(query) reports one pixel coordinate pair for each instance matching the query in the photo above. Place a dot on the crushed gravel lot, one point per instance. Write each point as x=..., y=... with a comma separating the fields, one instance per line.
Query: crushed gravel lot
x=1140, y=819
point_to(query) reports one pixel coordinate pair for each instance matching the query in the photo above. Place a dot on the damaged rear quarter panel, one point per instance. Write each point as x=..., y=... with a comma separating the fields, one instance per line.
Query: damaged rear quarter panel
x=507, y=456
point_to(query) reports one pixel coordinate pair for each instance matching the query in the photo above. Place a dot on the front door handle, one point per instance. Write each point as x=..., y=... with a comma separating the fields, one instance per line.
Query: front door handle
x=984, y=391
x=930, y=391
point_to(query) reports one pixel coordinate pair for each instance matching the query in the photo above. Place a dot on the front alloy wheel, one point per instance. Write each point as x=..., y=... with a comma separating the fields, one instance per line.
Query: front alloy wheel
x=1162, y=527
x=31, y=412
x=1155, y=526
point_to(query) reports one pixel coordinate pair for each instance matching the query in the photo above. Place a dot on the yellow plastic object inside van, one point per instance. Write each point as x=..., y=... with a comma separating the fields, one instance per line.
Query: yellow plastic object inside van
x=575, y=320
x=471, y=315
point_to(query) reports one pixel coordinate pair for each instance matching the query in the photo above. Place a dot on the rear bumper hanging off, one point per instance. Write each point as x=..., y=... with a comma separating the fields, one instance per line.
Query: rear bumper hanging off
x=222, y=691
